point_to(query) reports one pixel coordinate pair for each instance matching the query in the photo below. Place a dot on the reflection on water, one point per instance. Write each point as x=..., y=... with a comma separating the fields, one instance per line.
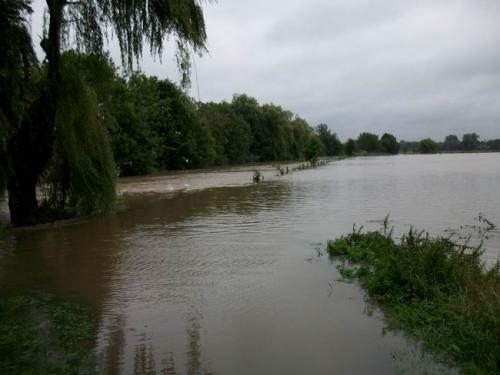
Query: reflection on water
x=217, y=280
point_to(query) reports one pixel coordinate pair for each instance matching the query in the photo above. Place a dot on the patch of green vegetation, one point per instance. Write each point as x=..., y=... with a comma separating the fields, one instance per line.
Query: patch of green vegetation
x=41, y=335
x=436, y=290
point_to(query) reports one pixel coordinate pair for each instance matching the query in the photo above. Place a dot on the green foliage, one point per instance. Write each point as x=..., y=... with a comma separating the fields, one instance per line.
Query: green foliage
x=155, y=126
x=389, y=144
x=133, y=140
x=278, y=124
x=369, y=142
x=249, y=110
x=314, y=149
x=302, y=133
x=350, y=147
x=436, y=290
x=427, y=146
x=333, y=147
x=136, y=23
x=81, y=174
x=231, y=136
x=17, y=65
x=451, y=143
x=408, y=147
x=470, y=142
x=52, y=132
x=45, y=336
x=493, y=145
x=183, y=139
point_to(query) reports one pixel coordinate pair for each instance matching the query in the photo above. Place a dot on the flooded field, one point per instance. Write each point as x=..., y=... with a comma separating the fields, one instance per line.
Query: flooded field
x=208, y=273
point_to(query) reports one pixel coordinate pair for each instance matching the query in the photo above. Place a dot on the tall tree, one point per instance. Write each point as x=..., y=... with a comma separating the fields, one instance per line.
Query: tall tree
x=249, y=110
x=470, y=141
x=427, y=146
x=84, y=24
x=389, y=143
x=451, y=143
x=332, y=144
x=350, y=147
x=368, y=142
x=18, y=67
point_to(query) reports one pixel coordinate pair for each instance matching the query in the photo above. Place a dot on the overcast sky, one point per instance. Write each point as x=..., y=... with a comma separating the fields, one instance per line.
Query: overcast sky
x=413, y=68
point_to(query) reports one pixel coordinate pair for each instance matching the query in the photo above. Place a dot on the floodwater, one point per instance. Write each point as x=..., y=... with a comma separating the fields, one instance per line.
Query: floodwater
x=227, y=277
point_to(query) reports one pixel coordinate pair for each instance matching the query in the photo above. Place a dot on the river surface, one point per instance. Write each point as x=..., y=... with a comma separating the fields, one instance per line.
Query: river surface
x=227, y=277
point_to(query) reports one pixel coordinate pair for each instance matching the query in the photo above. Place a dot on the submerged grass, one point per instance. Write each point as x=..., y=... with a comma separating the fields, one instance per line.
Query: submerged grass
x=436, y=290
x=41, y=335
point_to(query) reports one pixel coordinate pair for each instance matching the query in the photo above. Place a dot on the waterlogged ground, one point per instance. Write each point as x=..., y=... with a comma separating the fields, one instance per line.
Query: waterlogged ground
x=227, y=277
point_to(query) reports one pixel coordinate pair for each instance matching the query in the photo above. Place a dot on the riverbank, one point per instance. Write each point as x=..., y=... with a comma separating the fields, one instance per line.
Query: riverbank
x=435, y=290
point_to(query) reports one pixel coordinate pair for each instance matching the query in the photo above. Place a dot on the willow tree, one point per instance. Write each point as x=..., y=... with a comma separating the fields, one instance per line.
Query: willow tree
x=84, y=26
x=18, y=66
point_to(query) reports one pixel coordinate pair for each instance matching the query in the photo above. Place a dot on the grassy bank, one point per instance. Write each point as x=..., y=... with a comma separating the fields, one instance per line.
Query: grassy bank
x=42, y=335
x=435, y=290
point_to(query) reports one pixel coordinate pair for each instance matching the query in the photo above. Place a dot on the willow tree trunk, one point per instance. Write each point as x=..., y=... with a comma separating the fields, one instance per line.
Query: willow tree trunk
x=30, y=147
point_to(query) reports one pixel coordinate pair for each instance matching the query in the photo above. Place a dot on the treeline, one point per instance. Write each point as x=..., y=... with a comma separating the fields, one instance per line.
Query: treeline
x=109, y=126
x=369, y=143
x=157, y=127
x=153, y=125
x=470, y=142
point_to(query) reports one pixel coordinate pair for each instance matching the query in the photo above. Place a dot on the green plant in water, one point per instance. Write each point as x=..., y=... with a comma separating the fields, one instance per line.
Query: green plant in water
x=436, y=290
x=41, y=335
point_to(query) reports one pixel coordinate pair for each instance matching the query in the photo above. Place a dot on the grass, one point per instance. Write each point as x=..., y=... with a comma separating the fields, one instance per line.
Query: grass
x=437, y=291
x=42, y=335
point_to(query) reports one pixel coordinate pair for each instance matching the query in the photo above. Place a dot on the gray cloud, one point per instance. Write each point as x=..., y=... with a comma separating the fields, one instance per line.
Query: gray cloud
x=413, y=68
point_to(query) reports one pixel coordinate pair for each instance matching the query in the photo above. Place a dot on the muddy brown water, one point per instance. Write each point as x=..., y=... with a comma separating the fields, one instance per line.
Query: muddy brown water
x=227, y=277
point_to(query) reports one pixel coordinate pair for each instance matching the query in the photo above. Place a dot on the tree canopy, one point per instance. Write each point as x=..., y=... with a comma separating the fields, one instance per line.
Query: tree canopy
x=331, y=143
x=368, y=142
x=427, y=146
x=389, y=143
x=43, y=109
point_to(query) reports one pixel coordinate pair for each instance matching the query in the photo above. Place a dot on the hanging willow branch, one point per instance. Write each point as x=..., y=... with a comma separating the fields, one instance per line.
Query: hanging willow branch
x=17, y=63
x=81, y=175
x=134, y=23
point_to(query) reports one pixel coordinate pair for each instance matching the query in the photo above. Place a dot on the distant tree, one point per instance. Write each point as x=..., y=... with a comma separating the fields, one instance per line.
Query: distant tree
x=451, y=143
x=302, y=132
x=231, y=135
x=249, y=110
x=493, y=144
x=275, y=121
x=427, y=146
x=389, y=144
x=368, y=142
x=350, y=147
x=470, y=142
x=314, y=149
x=184, y=141
x=332, y=144
x=407, y=147
x=135, y=142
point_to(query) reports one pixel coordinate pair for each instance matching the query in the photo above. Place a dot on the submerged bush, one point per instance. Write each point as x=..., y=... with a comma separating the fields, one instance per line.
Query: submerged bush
x=437, y=290
x=42, y=335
